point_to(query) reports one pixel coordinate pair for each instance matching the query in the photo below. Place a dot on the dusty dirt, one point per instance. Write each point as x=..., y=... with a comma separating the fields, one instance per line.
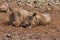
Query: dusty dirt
x=45, y=32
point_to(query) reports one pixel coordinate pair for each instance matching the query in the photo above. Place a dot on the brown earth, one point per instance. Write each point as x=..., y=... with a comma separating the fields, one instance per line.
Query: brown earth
x=45, y=32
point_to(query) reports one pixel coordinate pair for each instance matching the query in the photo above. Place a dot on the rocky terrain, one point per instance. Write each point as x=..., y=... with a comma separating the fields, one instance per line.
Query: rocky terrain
x=42, y=32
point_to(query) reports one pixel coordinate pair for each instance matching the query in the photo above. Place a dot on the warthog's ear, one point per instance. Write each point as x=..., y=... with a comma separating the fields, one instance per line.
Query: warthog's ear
x=34, y=14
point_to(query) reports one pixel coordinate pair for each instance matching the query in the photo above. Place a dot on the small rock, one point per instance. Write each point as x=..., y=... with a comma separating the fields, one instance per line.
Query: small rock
x=8, y=36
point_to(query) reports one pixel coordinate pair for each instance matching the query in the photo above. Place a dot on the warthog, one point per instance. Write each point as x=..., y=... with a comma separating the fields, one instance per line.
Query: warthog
x=25, y=18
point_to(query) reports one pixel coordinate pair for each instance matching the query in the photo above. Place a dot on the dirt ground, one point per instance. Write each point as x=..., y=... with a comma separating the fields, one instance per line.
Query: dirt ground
x=45, y=32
